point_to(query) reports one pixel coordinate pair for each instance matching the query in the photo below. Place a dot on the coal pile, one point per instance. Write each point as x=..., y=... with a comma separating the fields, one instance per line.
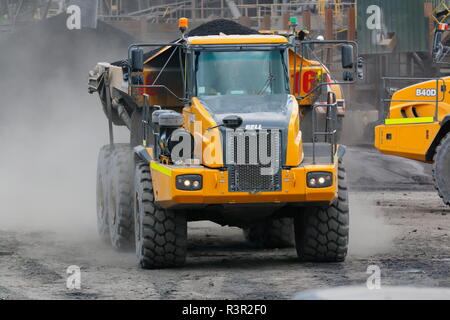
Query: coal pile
x=218, y=26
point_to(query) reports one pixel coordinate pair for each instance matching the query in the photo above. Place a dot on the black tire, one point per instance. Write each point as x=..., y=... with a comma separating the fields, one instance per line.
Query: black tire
x=120, y=213
x=272, y=233
x=161, y=235
x=322, y=234
x=103, y=163
x=441, y=169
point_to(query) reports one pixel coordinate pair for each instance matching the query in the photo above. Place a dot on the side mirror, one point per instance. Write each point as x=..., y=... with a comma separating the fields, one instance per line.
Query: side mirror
x=347, y=56
x=137, y=60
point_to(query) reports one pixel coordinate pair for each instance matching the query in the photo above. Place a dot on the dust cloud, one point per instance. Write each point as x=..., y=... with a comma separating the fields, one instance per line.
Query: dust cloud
x=370, y=234
x=50, y=128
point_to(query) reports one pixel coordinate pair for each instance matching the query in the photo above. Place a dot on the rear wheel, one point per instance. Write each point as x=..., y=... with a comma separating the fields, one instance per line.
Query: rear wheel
x=272, y=233
x=441, y=169
x=120, y=213
x=321, y=234
x=161, y=235
x=102, y=192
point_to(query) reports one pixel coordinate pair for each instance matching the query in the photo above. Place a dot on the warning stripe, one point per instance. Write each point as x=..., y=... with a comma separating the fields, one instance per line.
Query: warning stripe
x=161, y=169
x=409, y=120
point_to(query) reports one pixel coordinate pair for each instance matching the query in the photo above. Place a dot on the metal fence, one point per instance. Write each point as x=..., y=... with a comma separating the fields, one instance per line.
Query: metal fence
x=255, y=10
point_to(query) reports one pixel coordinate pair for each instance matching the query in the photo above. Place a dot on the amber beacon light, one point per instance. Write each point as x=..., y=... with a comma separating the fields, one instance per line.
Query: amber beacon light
x=183, y=24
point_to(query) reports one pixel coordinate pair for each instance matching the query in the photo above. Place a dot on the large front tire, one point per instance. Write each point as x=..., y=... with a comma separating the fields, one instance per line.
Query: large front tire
x=441, y=169
x=161, y=235
x=322, y=234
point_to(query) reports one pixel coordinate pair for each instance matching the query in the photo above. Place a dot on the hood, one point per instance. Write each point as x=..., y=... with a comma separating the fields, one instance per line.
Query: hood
x=261, y=112
x=257, y=112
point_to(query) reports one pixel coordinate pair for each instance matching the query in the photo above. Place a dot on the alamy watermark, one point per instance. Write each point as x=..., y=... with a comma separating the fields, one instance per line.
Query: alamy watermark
x=73, y=281
x=74, y=20
x=260, y=147
x=374, y=280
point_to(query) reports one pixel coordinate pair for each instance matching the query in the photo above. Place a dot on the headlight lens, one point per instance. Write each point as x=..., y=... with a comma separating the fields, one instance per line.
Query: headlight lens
x=320, y=179
x=191, y=182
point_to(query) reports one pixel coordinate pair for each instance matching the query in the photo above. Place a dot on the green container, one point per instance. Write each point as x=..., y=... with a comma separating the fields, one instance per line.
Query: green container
x=403, y=21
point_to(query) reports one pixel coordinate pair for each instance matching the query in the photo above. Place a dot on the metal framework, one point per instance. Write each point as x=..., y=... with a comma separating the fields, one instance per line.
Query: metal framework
x=169, y=11
x=14, y=11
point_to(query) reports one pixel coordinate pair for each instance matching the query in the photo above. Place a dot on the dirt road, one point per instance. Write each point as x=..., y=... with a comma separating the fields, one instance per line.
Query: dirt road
x=398, y=223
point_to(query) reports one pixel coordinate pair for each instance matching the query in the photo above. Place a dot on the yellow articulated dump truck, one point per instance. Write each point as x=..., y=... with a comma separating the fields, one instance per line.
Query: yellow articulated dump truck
x=417, y=125
x=217, y=133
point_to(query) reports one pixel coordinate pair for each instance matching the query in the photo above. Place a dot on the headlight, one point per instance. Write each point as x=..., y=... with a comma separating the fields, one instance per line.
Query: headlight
x=319, y=179
x=189, y=182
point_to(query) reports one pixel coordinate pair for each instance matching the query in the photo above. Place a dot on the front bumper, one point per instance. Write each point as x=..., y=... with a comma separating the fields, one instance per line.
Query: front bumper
x=215, y=188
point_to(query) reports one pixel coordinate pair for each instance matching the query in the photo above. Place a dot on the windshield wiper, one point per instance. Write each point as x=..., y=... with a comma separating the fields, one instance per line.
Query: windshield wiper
x=267, y=84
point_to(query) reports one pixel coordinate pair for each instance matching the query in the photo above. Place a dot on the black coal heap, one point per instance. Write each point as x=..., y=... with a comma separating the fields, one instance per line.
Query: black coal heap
x=218, y=26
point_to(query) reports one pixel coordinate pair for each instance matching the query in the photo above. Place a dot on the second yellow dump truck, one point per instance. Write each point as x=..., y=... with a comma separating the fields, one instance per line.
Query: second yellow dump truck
x=417, y=125
x=217, y=133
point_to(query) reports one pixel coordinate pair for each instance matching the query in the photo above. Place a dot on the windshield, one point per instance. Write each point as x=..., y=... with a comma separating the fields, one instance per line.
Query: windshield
x=241, y=73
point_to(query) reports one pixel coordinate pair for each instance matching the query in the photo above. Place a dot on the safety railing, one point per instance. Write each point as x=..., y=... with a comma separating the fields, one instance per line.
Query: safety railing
x=330, y=131
x=440, y=88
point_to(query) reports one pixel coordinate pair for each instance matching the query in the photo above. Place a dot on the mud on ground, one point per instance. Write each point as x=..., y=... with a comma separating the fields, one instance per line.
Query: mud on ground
x=404, y=230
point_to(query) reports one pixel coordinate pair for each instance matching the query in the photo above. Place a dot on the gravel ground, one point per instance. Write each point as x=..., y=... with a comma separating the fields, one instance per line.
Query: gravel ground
x=402, y=227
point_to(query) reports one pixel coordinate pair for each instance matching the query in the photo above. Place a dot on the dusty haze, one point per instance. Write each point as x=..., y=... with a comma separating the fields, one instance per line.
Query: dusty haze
x=51, y=130
x=50, y=127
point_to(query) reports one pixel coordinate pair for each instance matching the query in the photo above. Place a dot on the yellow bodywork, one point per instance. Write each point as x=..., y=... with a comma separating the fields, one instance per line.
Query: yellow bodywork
x=414, y=121
x=245, y=39
x=215, y=182
x=312, y=74
x=198, y=122
x=215, y=187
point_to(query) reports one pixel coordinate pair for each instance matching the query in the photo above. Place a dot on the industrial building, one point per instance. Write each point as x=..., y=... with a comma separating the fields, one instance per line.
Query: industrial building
x=394, y=37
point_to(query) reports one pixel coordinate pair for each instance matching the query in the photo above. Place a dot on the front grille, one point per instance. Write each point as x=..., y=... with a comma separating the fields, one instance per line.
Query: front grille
x=253, y=160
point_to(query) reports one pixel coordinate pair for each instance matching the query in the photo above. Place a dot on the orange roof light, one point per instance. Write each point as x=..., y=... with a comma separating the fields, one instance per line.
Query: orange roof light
x=184, y=23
